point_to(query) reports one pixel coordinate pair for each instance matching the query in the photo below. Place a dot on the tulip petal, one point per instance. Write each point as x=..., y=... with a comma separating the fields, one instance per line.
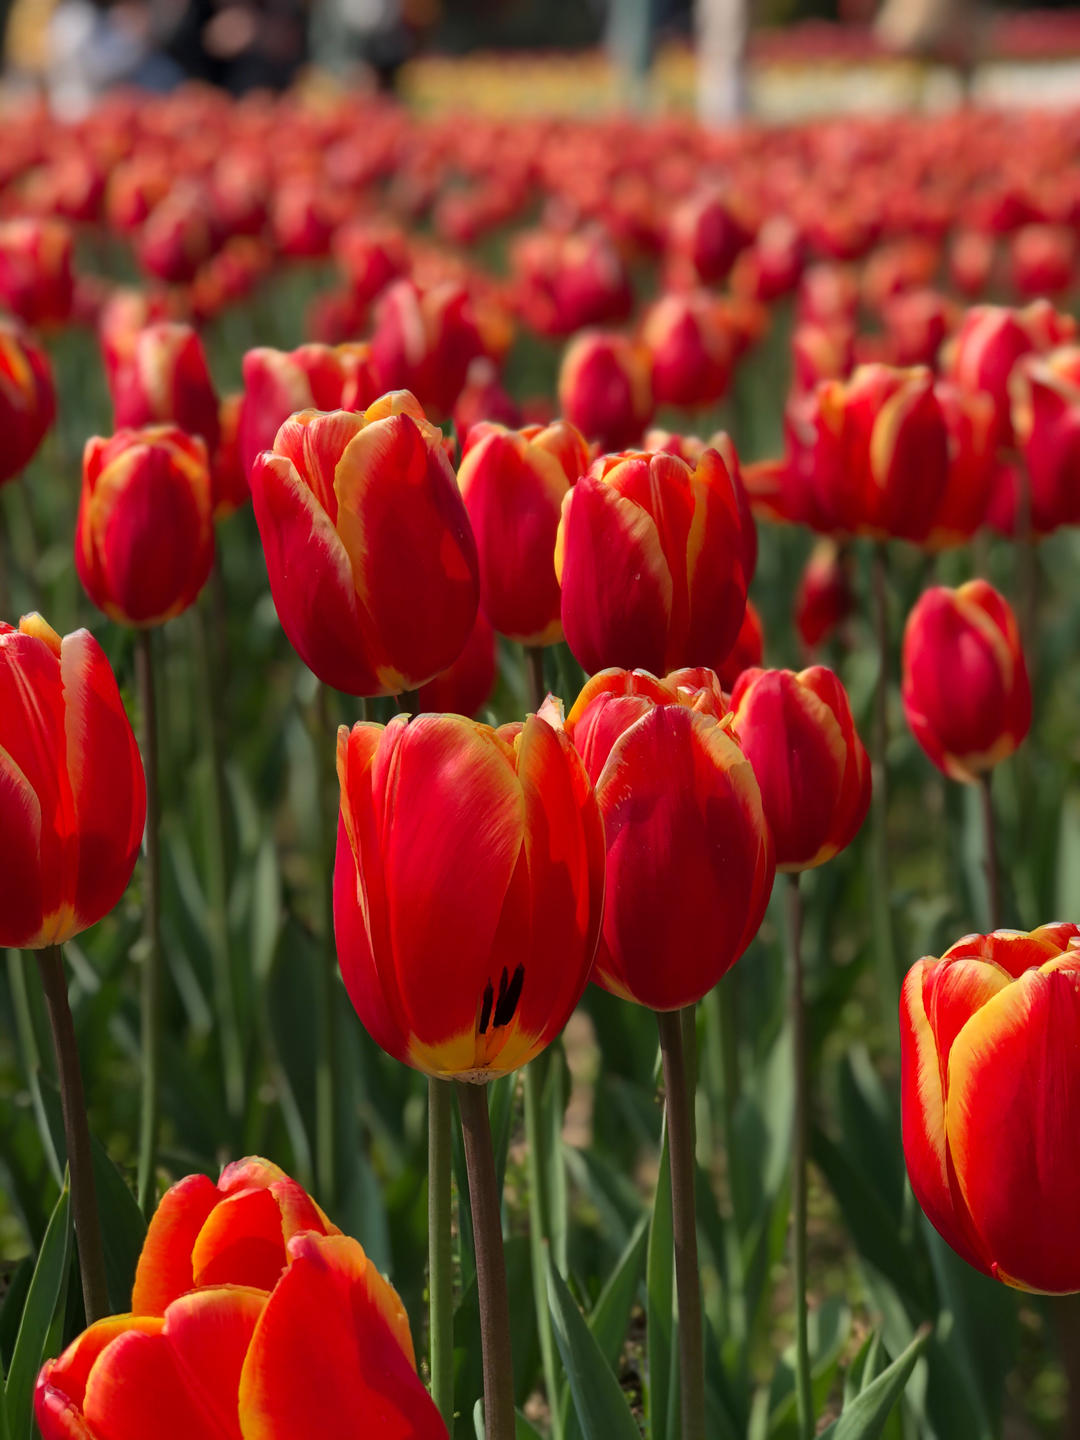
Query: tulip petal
x=328, y=1358
x=1013, y=1113
x=21, y=901
x=165, y=1270
x=241, y=1243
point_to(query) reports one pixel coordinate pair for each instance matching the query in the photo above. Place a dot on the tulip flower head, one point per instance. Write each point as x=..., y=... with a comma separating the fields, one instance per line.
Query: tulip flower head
x=144, y=541
x=468, y=889
x=965, y=684
x=990, y=1095
x=689, y=853
x=372, y=563
x=27, y=397
x=514, y=484
x=605, y=388
x=72, y=793
x=164, y=379
x=651, y=557
x=254, y=1318
x=813, y=770
x=278, y=383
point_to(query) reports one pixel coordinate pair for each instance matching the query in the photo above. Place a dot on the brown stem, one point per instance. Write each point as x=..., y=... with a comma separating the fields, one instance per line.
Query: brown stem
x=993, y=871
x=76, y=1135
x=153, y=963
x=499, y=1422
x=679, y=1103
x=803, y=1386
x=534, y=659
x=884, y=946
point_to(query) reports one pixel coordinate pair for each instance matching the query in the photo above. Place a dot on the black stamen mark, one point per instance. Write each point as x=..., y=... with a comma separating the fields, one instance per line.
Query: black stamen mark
x=509, y=996
x=485, y=1009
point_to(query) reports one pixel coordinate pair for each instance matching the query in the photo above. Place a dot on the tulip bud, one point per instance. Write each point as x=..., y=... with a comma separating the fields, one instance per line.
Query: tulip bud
x=1042, y=260
x=278, y=383
x=72, y=794
x=691, y=348
x=468, y=889
x=164, y=379
x=707, y=232
x=824, y=599
x=227, y=475
x=177, y=236
x=565, y=283
x=465, y=688
x=689, y=853
x=36, y=280
x=814, y=773
x=650, y=556
x=605, y=389
x=371, y=559
x=965, y=684
x=1046, y=420
x=990, y=1095
x=27, y=398
x=371, y=254
x=513, y=483
x=144, y=540
x=483, y=398
x=253, y=1316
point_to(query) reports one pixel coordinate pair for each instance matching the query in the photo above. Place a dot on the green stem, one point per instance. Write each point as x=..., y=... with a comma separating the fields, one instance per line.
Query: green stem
x=885, y=949
x=537, y=1160
x=152, y=956
x=440, y=1268
x=326, y=1058
x=6, y=611
x=993, y=870
x=84, y=1205
x=499, y=1422
x=1066, y=1313
x=217, y=870
x=534, y=660
x=679, y=1111
x=804, y=1396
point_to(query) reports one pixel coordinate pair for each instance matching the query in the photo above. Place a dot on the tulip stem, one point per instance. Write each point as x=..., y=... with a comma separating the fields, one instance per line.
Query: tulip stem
x=538, y=1155
x=993, y=871
x=84, y=1204
x=326, y=1060
x=679, y=1109
x=152, y=957
x=534, y=659
x=1066, y=1311
x=884, y=947
x=440, y=1264
x=499, y=1422
x=804, y=1395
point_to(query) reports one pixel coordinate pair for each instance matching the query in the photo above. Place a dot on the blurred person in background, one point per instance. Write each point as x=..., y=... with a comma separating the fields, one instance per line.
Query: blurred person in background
x=240, y=45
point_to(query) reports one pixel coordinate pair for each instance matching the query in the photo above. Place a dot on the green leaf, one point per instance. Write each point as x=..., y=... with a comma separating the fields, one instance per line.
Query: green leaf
x=43, y=1302
x=599, y=1402
x=522, y=1429
x=123, y=1228
x=866, y=1416
x=662, y=1391
x=609, y=1318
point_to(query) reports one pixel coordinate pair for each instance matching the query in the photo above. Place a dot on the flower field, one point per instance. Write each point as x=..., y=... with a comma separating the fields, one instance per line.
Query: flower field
x=539, y=780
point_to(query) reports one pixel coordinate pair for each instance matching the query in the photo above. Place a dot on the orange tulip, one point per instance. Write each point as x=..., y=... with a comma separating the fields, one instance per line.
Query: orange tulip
x=372, y=562
x=72, y=793
x=144, y=540
x=991, y=1100
x=468, y=889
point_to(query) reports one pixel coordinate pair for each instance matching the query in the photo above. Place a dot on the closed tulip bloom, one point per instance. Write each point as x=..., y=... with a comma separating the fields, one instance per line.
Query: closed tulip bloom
x=468, y=889
x=513, y=483
x=990, y=1098
x=72, y=794
x=707, y=232
x=1042, y=260
x=144, y=540
x=824, y=599
x=164, y=379
x=692, y=349
x=965, y=683
x=689, y=854
x=27, y=398
x=227, y=474
x=605, y=389
x=813, y=770
x=278, y=383
x=748, y=649
x=465, y=687
x=371, y=559
x=324, y=1349
x=36, y=279
x=1046, y=417
x=651, y=559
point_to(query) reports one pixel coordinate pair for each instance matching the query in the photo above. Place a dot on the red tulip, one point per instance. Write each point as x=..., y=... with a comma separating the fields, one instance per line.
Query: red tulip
x=747, y=651
x=371, y=559
x=706, y=234
x=1042, y=260
x=824, y=599
x=689, y=856
x=991, y=1098
x=27, y=398
x=1046, y=420
x=483, y=398
x=371, y=254
x=568, y=282
x=269, y=1325
x=513, y=483
x=466, y=687
x=965, y=684
x=177, y=236
x=36, y=280
x=164, y=379
x=814, y=773
x=651, y=559
x=278, y=383
x=692, y=349
x=228, y=476
x=605, y=389
x=72, y=794
x=468, y=889
x=144, y=541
